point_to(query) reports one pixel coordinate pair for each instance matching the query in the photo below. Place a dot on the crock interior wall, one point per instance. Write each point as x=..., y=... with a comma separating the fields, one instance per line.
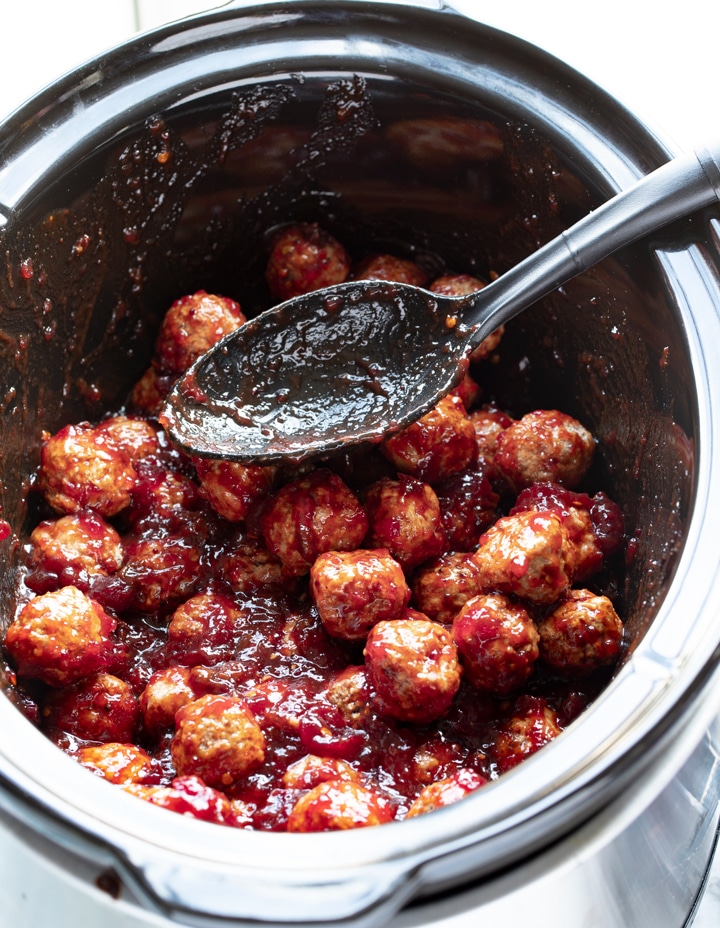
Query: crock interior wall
x=116, y=238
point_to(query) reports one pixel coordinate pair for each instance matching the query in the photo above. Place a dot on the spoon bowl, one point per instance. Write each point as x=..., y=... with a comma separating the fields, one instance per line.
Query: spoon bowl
x=357, y=362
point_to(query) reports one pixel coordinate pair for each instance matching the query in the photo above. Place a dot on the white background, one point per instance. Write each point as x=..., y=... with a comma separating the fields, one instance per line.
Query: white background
x=660, y=59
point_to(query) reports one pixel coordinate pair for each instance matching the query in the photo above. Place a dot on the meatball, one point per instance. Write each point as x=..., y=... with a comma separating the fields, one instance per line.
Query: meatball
x=388, y=267
x=446, y=791
x=405, y=518
x=349, y=692
x=135, y=436
x=232, y=488
x=336, y=805
x=165, y=499
x=162, y=570
x=544, y=446
x=202, y=630
x=527, y=555
x=469, y=391
x=69, y=550
x=442, y=587
x=119, y=763
x=413, y=666
x=488, y=422
x=247, y=567
x=354, y=590
x=582, y=634
x=60, y=637
x=439, y=444
x=189, y=795
x=218, y=739
x=100, y=708
x=311, y=770
x=533, y=725
x=497, y=643
x=304, y=258
x=82, y=468
x=192, y=325
x=595, y=526
x=311, y=515
x=166, y=691
x=464, y=285
x=468, y=505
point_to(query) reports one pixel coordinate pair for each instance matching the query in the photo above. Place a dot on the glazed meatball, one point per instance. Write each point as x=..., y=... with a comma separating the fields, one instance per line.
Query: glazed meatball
x=100, y=708
x=232, y=488
x=527, y=555
x=162, y=570
x=191, y=326
x=497, y=643
x=311, y=770
x=218, y=739
x=304, y=258
x=349, y=692
x=82, y=468
x=439, y=444
x=311, y=515
x=60, y=637
x=469, y=391
x=165, y=499
x=72, y=549
x=533, y=725
x=202, y=630
x=594, y=526
x=544, y=446
x=442, y=587
x=582, y=634
x=464, y=285
x=336, y=805
x=354, y=590
x=189, y=795
x=135, y=436
x=468, y=505
x=247, y=567
x=119, y=763
x=166, y=691
x=446, y=791
x=488, y=422
x=388, y=267
x=405, y=518
x=413, y=666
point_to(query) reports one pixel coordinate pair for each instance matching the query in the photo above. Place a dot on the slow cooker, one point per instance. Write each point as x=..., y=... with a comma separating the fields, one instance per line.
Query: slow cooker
x=299, y=110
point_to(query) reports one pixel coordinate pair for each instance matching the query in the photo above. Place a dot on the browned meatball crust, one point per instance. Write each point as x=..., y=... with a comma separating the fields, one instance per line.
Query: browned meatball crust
x=60, y=637
x=497, y=643
x=191, y=326
x=354, y=590
x=581, y=635
x=412, y=664
x=217, y=738
x=544, y=446
x=527, y=555
x=304, y=258
x=336, y=805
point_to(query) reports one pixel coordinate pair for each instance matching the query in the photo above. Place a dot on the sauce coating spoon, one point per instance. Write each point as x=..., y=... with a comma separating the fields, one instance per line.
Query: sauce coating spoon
x=355, y=362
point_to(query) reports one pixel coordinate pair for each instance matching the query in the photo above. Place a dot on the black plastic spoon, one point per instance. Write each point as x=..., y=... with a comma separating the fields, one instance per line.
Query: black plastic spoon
x=356, y=362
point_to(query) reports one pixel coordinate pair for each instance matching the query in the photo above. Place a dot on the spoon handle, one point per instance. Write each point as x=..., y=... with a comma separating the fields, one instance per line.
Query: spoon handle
x=672, y=191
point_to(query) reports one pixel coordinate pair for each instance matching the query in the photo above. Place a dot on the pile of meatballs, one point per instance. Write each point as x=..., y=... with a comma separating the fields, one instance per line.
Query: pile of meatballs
x=313, y=647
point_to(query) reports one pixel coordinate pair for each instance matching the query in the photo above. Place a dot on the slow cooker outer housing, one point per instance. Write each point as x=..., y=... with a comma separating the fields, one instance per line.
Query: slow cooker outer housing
x=628, y=348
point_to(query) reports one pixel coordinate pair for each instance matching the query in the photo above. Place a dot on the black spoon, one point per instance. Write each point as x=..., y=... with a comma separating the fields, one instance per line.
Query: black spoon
x=356, y=362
